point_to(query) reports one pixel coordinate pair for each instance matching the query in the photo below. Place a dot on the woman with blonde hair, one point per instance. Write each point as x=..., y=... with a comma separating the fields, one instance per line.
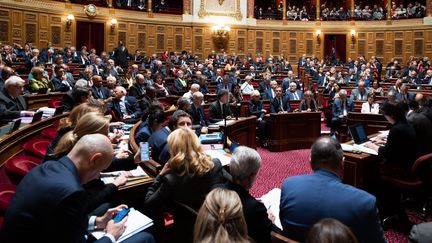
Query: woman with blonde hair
x=188, y=175
x=68, y=123
x=89, y=123
x=221, y=219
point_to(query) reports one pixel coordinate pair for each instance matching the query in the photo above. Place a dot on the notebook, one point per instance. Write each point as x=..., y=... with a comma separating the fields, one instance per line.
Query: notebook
x=135, y=223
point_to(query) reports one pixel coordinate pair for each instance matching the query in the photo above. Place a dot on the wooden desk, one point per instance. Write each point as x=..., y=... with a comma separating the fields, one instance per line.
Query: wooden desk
x=242, y=131
x=11, y=144
x=293, y=130
x=36, y=101
x=357, y=168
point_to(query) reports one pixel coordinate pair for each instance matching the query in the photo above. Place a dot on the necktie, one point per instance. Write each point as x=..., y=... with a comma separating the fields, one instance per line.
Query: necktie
x=281, y=105
x=296, y=96
x=370, y=107
x=100, y=94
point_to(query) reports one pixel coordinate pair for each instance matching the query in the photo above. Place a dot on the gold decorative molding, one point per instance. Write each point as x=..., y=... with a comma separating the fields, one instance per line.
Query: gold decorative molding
x=236, y=14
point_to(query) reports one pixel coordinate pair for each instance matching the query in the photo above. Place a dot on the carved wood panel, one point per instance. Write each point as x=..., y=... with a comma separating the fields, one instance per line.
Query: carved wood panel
x=160, y=42
x=293, y=47
x=361, y=47
x=379, y=47
x=4, y=31
x=198, y=43
x=309, y=47
x=141, y=40
x=179, y=42
x=122, y=36
x=241, y=45
x=259, y=44
x=418, y=47
x=398, y=47
x=276, y=46
x=30, y=32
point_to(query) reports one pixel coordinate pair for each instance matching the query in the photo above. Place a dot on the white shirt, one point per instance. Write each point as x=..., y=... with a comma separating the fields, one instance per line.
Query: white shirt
x=123, y=106
x=366, y=108
x=247, y=88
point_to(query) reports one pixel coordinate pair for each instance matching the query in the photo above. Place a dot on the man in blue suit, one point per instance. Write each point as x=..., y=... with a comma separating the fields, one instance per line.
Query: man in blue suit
x=306, y=199
x=341, y=106
x=125, y=108
x=404, y=95
x=49, y=204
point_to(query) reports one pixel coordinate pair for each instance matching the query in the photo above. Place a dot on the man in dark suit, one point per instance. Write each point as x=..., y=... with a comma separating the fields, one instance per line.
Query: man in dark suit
x=340, y=109
x=125, y=108
x=44, y=210
x=12, y=104
x=78, y=95
x=244, y=166
x=280, y=103
x=270, y=94
x=306, y=199
x=265, y=84
x=158, y=140
x=60, y=80
x=121, y=55
x=98, y=90
x=360, y=93
x=220, y=109
x=138, y=89
x=293, y=93
x=199, y=121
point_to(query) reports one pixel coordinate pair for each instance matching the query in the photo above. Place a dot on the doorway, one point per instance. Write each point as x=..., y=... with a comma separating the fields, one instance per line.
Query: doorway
x=338, y=42
x=91, y=35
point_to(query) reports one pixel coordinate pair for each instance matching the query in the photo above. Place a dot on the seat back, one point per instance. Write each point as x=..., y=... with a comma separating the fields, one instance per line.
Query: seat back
x=422, y=167
x=184, y=223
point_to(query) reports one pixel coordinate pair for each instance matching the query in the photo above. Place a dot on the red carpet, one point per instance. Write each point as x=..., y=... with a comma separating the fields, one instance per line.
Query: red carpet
x=277, y=166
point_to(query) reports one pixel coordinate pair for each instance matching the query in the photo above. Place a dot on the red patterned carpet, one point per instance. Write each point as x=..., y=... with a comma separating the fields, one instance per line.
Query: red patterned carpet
x=277, y=166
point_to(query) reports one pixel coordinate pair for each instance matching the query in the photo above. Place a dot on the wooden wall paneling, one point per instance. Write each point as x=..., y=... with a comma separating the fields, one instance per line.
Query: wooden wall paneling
x=4, y=31
x=56, y=37
x=160, y=42
x=361, y=49
x=178, y=42
x=379, y=48
x=418, y=48
x=122, y=36
x=398, y=48
x=276, y=46
x=309, y=47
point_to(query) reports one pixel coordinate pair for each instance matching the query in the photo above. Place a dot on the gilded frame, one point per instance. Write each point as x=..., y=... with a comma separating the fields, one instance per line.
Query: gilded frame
x=236, y=14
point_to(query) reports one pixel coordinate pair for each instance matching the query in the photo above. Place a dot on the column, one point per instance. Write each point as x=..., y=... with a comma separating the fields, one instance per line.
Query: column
x=250, y=8
x=109, y=3
x=352, y=9
x=186, y=7
x=389, y=6
x=318, y=10
x=284, y=15
x=150, y=6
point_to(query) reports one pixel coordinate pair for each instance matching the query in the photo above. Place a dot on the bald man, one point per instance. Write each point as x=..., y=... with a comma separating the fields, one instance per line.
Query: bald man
x=50, y=203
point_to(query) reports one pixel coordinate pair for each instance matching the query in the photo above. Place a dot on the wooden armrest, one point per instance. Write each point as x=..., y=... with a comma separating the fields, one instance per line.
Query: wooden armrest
x=152, y=167
x=278, y=238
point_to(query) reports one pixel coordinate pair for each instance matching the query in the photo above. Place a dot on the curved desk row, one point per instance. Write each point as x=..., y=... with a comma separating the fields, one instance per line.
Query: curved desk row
x=11, y=144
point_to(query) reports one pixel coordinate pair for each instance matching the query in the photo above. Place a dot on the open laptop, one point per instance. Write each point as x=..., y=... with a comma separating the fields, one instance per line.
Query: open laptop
x=359, y=136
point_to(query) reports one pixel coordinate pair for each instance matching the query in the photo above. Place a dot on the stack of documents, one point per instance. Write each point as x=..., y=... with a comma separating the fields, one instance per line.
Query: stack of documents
x=271, y=201
x=137, y=174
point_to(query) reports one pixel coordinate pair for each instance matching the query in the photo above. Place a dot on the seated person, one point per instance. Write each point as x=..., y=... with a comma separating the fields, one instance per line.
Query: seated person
x=330, y=230
x=293, y=93
x=189, y=95
x=199, y=121
x=220, y=109
x=158, y=139
x=220, y=219
x=244, y=167
x=187, y=176
x=60, y=80
x=404, y=95
x=370, y=106
x=225, y=84
x=247, y=88
x=300, y=196
x=180, y=83
x=125, y=108
x=183, y=104
x=27, y=218
x=149, y=99
x=202, y=81
x=400, y=140
x=280, y=103
x=162, y=88
x=98, y=90
x=235, y=96
x=78, y=95
x=39, y=82
x=12, y=103
x=255, y=106
x=360, y=93
x=270, y=94
x=137, y=90
x=341, y=107
x=151, y=122
x=308, y=104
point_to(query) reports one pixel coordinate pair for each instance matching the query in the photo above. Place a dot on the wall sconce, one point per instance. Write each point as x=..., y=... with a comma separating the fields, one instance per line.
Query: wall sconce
x=318, y=36
x=353, y=33
x=220, y=34
x=69, y=20
x=113, y=24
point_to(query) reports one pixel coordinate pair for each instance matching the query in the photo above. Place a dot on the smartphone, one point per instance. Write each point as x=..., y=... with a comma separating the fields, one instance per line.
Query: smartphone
x=145, y=151
x=120, y=216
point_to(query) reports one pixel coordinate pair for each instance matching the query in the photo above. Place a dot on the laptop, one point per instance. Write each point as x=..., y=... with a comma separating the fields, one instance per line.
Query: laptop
x=359, y=136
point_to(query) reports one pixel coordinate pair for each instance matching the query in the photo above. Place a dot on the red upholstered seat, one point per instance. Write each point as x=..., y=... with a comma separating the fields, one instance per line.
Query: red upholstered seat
x=6, y=194
x=37, y=146
x=18, y=166
x=54, y=102
x=50, y=133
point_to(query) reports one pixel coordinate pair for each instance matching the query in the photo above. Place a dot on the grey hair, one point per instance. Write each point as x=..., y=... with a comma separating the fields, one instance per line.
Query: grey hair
x=81, y=83
x=197, y=95
x=342, y=92
x=111, y=78
x=245, y=162
x=195, y=86
x=14, y=81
